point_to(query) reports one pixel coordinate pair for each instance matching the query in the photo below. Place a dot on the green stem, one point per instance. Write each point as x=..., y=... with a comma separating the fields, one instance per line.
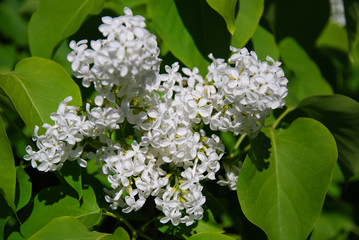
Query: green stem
x=239, y=141
x=285, y=113
x=135, y=233
x=122, y=219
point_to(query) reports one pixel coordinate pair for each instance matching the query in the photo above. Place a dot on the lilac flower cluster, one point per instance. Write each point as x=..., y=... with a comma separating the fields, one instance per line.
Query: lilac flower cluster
x=171, y=155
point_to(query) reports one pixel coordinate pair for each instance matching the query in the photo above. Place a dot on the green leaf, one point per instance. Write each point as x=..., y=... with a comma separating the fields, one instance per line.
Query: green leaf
x=12, y=24
x=333, y=36
x=210, y=236
x=206, y=225
x=5, y=214
x=66, y=228
x=24, y=188
x=227, y=10
x=15, y=236
x=8, y=58
x=264, y=44
x=119, y=233
x=7, y=169
x=308, y=80
x=340, y=114
x=334, y=225
x=285, y=177
x=71, y=172
x=56, y=202
x=248, y=16
x=138, y=7
x=191, y=30
x=55, y=20
x=36, y=87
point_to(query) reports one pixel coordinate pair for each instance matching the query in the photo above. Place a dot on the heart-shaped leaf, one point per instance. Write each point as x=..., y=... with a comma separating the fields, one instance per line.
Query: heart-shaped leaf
x=285, y=177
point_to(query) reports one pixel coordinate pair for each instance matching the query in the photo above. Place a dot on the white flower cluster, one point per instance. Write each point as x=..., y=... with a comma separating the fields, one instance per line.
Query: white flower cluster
x=172, y=155
x=337, y=12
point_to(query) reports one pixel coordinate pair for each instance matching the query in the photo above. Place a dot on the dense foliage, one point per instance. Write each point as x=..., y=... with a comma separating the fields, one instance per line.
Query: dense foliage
x=187, y=119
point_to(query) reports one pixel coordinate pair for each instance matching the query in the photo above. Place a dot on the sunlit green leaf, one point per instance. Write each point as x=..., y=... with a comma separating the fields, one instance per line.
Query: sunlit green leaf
x=119, y=233
x=7, y=169
x=66, y=228
x=15, y=236
x=248, y=16
x=226, y=9
x=36, y=87
x=333, y=36
x=24, y=188
x=308, y=80
x=264, y=44
x=54, y=20
x=285, y=177
x=210, y=236
x=56, y=202
x=340, y=114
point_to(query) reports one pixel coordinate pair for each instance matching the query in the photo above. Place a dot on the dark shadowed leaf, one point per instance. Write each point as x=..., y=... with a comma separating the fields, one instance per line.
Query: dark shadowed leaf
x=5, y=213
x=71, y=172
x=56, y=202
x=24, y=188
x=303, y=20
x=12, y=24
x=340, y=114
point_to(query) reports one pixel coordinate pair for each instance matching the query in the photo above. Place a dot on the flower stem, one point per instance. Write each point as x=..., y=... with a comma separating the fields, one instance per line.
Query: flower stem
x=285, y=113
x=239, y=141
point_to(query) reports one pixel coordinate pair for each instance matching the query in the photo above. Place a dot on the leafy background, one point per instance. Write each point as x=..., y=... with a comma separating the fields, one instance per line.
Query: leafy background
x=300, y=177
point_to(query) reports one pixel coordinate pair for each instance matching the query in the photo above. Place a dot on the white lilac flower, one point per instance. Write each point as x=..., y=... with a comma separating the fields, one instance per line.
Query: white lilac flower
x=168, y=158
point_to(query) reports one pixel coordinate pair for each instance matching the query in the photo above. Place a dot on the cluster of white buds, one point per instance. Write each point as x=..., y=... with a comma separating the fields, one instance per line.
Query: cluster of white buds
x=171, y=155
